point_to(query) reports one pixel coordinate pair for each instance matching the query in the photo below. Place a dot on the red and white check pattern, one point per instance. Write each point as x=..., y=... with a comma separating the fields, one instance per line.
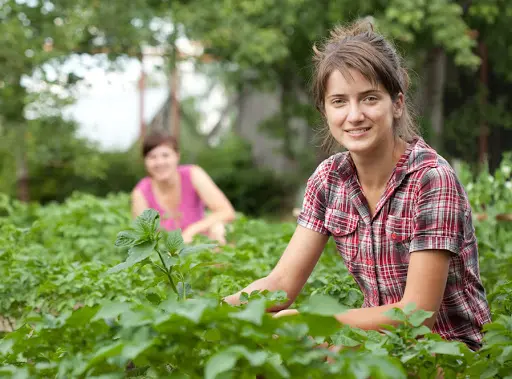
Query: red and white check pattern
x=423, y=207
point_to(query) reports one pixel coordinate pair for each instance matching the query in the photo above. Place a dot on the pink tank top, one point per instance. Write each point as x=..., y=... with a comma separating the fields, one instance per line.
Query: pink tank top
x=191, y=208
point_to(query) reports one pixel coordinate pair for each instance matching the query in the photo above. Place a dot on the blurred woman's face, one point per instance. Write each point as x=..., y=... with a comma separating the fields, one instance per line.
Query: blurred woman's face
x=161, y=162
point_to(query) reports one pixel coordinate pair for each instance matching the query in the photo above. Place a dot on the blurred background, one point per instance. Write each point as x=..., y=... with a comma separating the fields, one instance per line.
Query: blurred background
x=81, y=81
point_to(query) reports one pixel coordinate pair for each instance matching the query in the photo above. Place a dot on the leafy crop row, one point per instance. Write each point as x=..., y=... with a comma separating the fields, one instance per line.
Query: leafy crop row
x=148, y=306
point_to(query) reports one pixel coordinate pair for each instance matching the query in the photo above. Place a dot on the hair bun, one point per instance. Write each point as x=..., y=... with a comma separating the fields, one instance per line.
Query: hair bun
x=362, y=26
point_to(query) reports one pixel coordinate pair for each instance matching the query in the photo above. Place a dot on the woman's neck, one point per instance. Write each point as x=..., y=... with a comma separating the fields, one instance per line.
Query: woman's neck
x=374, y=170
x=164, y=186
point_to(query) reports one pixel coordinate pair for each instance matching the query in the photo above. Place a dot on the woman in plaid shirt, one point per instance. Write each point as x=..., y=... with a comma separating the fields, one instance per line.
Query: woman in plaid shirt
x=399, y=216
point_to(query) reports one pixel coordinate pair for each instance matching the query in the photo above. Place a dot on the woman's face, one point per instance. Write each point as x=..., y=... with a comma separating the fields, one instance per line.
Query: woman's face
x=360, y=116
x=161, y=162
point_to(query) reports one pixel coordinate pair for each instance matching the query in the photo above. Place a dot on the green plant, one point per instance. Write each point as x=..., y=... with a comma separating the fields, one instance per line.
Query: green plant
x=146, y=242
x=82, y=307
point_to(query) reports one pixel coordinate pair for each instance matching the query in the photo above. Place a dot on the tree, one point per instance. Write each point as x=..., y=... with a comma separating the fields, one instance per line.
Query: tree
x=267, y=44
x=35, y=35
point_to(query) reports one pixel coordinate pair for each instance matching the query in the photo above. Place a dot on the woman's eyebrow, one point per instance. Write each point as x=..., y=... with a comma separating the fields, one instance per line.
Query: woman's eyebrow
x=367, y=92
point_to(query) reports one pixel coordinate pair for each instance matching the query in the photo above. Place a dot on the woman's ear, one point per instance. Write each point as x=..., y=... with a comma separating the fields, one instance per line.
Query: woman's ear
x=398, y=105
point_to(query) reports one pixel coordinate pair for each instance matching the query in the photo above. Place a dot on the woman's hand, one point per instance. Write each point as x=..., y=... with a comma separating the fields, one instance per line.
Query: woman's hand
x=188, y=235
x=286, y=312
x=218, y=233
x=232, y=299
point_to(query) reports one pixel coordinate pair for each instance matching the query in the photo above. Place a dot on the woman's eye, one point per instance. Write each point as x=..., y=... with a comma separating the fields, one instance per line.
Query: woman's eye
x=370, y=99
x=338, y=102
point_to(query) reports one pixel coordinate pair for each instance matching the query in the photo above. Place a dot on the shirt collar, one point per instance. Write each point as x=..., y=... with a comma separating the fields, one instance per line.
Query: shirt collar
x=417, y=156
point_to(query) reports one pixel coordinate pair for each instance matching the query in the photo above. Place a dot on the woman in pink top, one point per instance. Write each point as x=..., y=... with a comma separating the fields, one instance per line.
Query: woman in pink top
x=180, y=193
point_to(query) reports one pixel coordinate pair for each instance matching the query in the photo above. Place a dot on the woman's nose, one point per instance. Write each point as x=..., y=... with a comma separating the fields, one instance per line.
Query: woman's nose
x=355, y=114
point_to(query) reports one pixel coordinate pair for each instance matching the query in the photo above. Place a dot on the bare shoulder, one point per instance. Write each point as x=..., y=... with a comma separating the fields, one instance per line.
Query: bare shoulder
x=195, y=169
x=198, y=174
x=137, y=193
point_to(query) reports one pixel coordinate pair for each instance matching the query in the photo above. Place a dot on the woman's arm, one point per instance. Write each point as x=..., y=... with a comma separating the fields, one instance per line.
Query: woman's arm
x=139, y=203
x=426, y=282
x=214, y=199
x=292, y=270
x=425, y=286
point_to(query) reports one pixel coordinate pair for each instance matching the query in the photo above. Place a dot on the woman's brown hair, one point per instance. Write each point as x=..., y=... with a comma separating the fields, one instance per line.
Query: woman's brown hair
x=360, y=48
x=158, y=138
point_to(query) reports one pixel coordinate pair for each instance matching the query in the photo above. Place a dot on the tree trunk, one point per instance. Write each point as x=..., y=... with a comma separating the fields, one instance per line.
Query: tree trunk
x=22, y=174
x=285, y=118
x=484, y=82
x=175, y=104
x=141, y=87
x=432, y=93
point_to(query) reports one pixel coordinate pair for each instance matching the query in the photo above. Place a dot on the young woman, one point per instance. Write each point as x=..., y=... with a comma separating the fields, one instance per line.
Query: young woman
x=395, y=208
x=180, y=193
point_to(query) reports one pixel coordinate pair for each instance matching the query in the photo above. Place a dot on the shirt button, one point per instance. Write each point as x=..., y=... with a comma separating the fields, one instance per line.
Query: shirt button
x=337, y=231
x=393, y=236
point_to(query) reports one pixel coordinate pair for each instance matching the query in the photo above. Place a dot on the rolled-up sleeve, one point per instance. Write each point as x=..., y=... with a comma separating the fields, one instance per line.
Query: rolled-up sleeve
x=441, y=211
x=312, y=215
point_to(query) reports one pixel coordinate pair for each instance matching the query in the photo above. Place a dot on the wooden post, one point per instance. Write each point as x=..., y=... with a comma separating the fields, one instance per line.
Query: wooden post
x=484, y=81
x=142, y=123
x=22, y=174
x=175, y=103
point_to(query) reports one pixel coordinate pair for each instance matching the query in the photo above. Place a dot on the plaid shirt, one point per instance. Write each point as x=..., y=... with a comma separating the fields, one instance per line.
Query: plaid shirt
x=423, y=207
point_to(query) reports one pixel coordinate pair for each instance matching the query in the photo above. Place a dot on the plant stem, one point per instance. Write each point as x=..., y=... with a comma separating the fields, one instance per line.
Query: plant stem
x=160, y=268
x=168, y=273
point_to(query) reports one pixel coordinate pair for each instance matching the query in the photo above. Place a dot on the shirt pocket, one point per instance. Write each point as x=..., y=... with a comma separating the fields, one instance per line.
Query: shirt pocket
x=343, y=228
x=399, y=233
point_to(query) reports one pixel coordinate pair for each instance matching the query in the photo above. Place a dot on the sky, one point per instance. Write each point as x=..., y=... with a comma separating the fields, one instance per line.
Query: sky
x=107, y=102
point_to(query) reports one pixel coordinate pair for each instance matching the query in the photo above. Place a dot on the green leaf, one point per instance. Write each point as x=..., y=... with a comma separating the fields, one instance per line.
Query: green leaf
x=5, y=346
x=108, y=376
x=138, y=346
x=253, y=312
x=506, y=355
x=446, y=348
x=147, y=224
x=184, y=290
x=384, y=367
x=103, y=353
x=173, y=241
x=14, y=372
x=408, y=356
x=195, y=249
x=322, y=305
x=127, y=238
x=320, y=325
x=255, y=358
x=244, y=297
x=153, y=298
x=420, y=331
x=343, y=340
x=226, y=360
x=137, y=253
x=419, y=317
x=111, y=310
x=212, y=335
x=132, y=319
x=276, y=364
x=193, y=309
x=178, y=375
x=409, y=308
x=396, y=314
x=168, y=260
x=220, y=363
x=81, y=317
